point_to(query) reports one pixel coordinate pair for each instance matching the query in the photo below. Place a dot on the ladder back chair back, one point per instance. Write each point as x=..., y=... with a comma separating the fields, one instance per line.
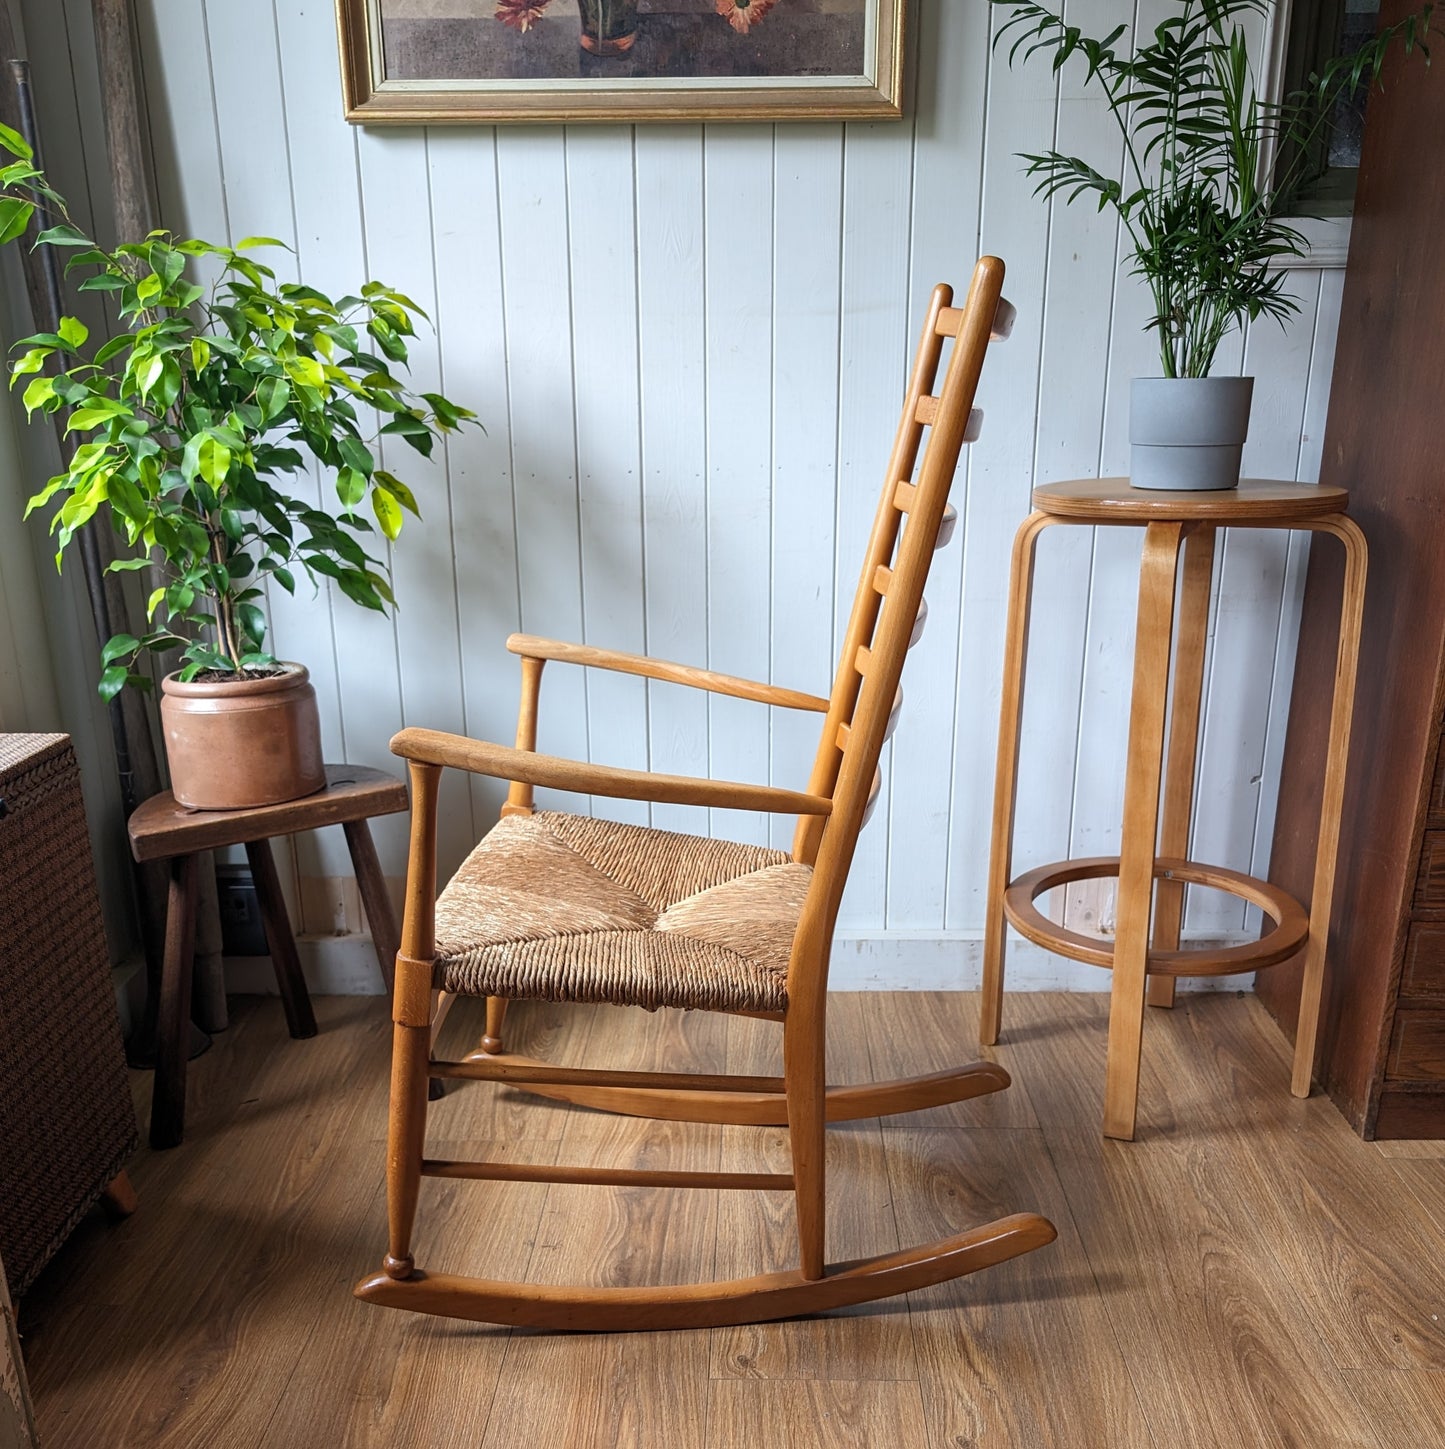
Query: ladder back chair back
x=568, y=908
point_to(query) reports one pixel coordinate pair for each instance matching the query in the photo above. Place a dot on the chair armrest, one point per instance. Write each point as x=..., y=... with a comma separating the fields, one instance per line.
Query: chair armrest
x=502, y=762
x=530, y=646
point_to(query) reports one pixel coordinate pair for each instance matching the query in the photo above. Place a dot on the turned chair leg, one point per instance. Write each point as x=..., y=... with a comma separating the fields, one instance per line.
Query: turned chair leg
x=118, y=1197
x=1157, y=573
x=496, y=1016
x=406, y=1132
x=1006, y=773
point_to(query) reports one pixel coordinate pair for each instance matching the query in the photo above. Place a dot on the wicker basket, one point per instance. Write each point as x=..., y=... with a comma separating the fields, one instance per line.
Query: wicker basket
x=65, y=1103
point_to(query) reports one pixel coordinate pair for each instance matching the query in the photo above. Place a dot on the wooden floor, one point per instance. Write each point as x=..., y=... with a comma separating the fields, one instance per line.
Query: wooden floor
x=1246, y=1273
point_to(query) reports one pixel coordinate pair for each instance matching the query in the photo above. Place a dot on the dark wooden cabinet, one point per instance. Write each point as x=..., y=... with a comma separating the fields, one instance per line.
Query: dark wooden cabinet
x=1382, y=1038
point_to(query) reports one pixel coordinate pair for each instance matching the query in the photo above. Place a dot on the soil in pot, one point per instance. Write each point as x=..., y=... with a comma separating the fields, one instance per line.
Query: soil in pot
x=237, y=742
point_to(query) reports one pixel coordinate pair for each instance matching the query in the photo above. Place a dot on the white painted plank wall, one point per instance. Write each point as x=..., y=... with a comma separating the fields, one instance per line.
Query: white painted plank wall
x=687, y=345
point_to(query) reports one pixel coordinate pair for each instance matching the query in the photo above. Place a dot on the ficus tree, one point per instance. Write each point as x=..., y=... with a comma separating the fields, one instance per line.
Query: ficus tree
x=193, y=420
x=1206, y=229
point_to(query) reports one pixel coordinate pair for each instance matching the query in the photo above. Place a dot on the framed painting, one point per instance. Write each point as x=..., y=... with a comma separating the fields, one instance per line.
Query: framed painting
x=419, y=62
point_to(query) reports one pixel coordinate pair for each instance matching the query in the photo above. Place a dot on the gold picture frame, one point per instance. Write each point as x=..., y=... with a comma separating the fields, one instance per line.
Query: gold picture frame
x=779, y=61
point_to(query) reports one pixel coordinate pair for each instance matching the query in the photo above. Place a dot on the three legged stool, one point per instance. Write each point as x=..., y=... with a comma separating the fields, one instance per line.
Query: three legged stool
x=1151, y=868
x=160, y=829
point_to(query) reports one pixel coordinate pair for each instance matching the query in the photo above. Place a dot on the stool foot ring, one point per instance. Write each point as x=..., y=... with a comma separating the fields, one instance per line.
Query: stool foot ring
x=711, y=1305
x=769, y=1109
x=1291, y=924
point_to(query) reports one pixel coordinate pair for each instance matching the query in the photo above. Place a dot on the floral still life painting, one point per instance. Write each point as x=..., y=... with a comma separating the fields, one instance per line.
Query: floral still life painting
x=620, y=60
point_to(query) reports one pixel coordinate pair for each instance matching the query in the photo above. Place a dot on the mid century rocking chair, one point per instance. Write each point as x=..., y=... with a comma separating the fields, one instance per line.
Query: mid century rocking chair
x=568, y=908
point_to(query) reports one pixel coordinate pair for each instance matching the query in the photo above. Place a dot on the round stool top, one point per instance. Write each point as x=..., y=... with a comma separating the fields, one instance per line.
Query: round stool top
x=1256, y=500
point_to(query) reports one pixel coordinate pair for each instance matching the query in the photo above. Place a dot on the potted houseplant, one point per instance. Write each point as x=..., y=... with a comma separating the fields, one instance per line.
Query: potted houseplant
x=189, y=422
x=1204, y=224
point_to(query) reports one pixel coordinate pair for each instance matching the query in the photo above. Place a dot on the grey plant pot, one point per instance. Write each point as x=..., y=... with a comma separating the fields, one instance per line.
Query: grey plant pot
x=1188, y=433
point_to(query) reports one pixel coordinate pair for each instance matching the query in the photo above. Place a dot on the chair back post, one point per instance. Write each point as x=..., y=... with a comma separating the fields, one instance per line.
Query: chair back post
x=874, y=685
x=866, y=601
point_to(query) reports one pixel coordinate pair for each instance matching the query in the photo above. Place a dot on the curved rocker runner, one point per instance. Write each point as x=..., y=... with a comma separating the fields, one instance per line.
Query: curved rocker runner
x=562, y=907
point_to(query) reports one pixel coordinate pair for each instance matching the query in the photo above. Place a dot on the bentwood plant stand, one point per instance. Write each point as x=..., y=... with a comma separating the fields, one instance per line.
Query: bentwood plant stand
x=161, y=829
x=1151, y=868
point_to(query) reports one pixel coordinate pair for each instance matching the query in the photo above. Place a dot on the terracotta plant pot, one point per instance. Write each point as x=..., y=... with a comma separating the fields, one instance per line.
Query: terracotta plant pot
x=236, y=743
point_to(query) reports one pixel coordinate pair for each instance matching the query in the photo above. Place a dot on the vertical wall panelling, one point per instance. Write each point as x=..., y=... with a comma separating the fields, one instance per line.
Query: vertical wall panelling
x=807, y=236
x=952, y=80
x=332, y=253
x=687, y=347
x=738, y=240
x=671, y=331
x=1077, y=307
x=877, y=221
x=1021, y=116
x=395, y=195
x=1250, y=594
x=602, y=244
x=466, y=239
x=1321, y=369
x=251, y=134
x=316, y=627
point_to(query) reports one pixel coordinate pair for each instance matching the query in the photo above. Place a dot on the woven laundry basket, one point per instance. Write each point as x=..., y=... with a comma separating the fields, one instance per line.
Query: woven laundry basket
x=67, y=1125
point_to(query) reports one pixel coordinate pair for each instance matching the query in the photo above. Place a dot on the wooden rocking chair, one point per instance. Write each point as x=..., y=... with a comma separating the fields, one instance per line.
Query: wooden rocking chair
x=568, y=908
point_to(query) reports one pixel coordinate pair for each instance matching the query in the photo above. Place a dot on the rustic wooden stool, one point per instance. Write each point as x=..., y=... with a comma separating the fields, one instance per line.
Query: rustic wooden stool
x=1143, y=950
x=160, y=829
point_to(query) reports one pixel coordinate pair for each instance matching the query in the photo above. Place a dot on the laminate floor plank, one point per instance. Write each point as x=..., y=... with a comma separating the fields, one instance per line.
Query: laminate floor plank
x=407, y=1379
x=757, y=1231
x=913, y=1032
x=1247, y=1273
x=989, y=1344
x=1407, y=1407
x=1407, y=1148
x=1424, y=1180
x=485, y=1111
x=1217, y=1334
x=616, y=1389
x=815, y=1414
x=1355, y=1247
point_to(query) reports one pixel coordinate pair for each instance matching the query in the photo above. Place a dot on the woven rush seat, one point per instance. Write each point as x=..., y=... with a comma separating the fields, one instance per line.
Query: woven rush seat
x=558, y=907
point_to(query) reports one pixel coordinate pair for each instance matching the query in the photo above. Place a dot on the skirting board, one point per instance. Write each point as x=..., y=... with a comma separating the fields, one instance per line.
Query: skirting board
x=868, y=961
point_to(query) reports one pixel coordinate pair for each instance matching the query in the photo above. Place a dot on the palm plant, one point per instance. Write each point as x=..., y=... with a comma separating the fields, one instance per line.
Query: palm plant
x=1205, y=227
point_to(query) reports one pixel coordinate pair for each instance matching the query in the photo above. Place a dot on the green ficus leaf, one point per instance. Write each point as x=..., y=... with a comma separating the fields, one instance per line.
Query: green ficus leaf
x=113, y=348
x=66, y=236
x=112, y=680
x=15, y=143
x=40, y=393
x=388, y=514
x=398, y=490
x=350, y=486
x=119, y=646
x=15, y=216
x=355, y=454
x=72, y=332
